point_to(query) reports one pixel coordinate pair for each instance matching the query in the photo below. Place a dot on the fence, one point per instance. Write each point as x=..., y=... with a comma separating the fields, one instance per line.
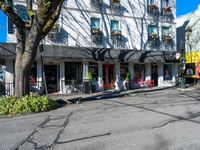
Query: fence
x=6, y=89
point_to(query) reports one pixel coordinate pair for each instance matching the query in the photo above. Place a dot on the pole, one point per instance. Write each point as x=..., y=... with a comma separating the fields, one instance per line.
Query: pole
x=182, y=66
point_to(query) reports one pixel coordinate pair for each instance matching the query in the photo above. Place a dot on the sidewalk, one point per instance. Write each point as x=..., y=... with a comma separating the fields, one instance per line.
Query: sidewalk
x=77, y=98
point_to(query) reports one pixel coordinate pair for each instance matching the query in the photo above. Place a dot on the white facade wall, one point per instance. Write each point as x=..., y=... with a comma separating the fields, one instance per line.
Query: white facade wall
x=76, y=17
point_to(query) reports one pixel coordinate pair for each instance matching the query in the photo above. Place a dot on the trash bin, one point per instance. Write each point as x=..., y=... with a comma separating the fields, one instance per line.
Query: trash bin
x=87, y=87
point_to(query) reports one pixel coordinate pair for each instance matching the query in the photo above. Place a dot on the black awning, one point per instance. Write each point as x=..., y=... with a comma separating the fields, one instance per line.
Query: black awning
x=7, y=50
x=107, y=54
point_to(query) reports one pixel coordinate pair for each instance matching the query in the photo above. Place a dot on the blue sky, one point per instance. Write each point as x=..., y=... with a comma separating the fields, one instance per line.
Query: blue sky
x=183, y=7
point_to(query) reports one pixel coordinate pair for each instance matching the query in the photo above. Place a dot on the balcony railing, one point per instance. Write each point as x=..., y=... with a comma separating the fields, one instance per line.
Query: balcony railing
x=96, y=5
x=96, y=35
x=153, y=40
x=116, y=39
x=167, y=14
x=153, y=9
x=115, y=6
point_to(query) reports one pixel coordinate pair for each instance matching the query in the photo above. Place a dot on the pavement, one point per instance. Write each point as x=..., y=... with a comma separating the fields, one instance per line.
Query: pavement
x=78, y=98
x=158, y=120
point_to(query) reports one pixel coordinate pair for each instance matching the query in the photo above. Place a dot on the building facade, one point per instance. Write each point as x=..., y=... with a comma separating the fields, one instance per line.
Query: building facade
x=188, y=27
x=104, y=41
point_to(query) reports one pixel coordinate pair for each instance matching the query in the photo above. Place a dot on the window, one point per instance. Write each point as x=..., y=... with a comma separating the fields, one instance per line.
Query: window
x=152, y=29
x=165, y=3
x=21, y=10
x=165, y=30
x=73, y=71
x=95, y=23
x=114, y=25
x=167, y=71
x=151, y=1
x=139, y=72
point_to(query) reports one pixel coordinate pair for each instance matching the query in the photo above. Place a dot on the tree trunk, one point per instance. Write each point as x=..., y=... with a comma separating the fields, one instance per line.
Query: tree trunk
x=22, y=70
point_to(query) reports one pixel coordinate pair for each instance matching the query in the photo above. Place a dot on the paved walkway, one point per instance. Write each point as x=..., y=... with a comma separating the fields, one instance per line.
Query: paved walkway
x=102, y=95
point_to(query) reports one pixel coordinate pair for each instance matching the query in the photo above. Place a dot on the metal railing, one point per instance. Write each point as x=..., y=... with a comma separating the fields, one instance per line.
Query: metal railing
x=6, y=89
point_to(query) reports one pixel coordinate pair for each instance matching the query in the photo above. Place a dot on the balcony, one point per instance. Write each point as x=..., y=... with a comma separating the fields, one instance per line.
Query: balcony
x=116, y=39
x=96, y=35
x=115, y=6
x=167, y=40
x=167, y=14
x=96, y=5
x=153, y=40
x=153, y=9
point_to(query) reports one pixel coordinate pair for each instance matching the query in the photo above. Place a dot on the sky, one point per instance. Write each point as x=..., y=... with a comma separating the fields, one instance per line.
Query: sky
x=182, y=7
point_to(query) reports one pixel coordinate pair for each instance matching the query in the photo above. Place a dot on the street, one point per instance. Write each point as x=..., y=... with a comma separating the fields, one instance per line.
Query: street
x=161, y=120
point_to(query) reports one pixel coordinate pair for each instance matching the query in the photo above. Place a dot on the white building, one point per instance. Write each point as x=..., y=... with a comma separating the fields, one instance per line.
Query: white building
x=106, y=39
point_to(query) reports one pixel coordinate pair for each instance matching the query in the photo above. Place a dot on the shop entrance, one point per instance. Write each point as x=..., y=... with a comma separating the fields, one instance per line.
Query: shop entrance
x=154, y=73
x=108, y=76
x=51, y=75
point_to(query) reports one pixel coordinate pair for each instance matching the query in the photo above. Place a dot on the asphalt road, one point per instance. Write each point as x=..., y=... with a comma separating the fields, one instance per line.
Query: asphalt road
x=162, y=120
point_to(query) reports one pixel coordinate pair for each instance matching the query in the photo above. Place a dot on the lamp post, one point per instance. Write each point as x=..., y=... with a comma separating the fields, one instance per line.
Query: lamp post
x=182, y=65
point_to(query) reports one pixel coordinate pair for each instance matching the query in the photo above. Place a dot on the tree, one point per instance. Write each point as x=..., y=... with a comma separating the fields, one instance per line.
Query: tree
x=39, y=25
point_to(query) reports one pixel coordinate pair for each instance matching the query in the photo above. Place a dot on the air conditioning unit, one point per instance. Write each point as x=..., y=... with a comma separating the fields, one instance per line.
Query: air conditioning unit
x=53, y=35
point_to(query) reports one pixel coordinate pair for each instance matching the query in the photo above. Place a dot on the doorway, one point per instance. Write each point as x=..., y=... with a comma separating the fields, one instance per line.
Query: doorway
x=51, y=75
x=108, y=76
x=154, y=73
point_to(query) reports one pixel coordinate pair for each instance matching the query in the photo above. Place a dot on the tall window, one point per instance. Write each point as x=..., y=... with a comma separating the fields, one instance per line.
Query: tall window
x=167, y=71
x=114, y=25
x=95, y=23
x=152, y=29
x=123, y=70
x=151, y=1
x=165, y=30
x=165, y=3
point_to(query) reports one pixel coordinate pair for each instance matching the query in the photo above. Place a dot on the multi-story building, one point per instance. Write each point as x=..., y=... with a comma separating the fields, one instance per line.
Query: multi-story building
x=105, y=40
x=188, y=26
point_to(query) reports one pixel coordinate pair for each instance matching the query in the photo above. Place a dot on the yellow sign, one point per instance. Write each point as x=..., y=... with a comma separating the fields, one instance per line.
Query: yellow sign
x=192, y=57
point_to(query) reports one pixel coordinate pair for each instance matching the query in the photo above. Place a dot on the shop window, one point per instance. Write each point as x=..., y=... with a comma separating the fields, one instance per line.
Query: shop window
x=123, y=70
x=190, y=69
x=93, y=69
x=73, y=71
x=139, y=72
x=167, y=71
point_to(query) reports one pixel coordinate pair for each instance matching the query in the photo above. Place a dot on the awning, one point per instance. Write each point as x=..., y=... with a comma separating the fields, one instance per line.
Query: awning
x=94, y=54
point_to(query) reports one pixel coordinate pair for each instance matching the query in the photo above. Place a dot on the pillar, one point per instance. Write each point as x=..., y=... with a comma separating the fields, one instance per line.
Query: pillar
x=147, y=71
x=131, y=70
x=160, y=74
x=100, y=76
x=62, y=78
x=85, y=71
x=117, y=76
